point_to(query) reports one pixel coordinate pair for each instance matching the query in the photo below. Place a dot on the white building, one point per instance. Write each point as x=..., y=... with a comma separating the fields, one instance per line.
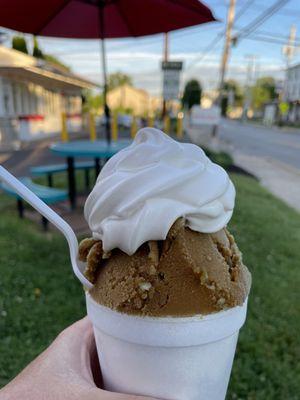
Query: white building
x=33, y=95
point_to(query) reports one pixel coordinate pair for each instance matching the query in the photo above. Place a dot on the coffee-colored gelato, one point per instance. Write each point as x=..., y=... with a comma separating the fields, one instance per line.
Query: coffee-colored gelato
x=159, y=246
x=187, y=274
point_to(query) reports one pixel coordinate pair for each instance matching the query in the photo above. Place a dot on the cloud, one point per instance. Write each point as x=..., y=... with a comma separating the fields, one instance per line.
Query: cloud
x=146, y=73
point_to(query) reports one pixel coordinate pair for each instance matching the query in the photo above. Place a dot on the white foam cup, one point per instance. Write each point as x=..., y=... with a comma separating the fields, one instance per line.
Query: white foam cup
x=170, y=358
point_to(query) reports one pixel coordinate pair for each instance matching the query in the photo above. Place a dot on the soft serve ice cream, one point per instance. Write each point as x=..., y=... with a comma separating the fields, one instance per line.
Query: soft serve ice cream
x=145, y=188
x=158, y=214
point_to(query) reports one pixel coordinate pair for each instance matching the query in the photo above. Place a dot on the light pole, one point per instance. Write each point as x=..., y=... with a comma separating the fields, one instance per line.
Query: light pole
x=227, y=46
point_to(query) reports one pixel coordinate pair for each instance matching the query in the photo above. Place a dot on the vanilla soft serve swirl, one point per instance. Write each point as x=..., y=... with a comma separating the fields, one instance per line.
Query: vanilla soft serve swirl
x=144, y=188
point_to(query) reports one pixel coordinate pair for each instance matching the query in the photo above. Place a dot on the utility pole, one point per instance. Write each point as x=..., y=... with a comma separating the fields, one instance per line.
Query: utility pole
x=289, y=51
x=166, y=46
x=165, y=58
x=249, y=80
x=227, y=46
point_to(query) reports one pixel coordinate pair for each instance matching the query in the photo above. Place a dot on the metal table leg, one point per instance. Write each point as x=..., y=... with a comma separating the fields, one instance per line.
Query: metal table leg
x=87, y=179
x=71, y=182
x=44, y=223
x=97, y=167
x=50, y=180
x=20, y=206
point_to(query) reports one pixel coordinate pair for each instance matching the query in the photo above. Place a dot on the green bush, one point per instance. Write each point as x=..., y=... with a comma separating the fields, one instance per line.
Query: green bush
x=222, y=158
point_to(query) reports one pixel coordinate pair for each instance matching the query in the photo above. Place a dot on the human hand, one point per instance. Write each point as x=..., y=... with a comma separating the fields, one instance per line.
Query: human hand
x=66, y=370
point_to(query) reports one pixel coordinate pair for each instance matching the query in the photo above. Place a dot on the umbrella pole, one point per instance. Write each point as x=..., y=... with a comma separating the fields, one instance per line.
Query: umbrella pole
x=103, y=54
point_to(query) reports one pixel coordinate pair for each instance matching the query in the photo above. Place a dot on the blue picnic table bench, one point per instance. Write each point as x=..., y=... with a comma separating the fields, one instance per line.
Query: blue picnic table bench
x=50, y=170
x=47, y=194
x=99, y=150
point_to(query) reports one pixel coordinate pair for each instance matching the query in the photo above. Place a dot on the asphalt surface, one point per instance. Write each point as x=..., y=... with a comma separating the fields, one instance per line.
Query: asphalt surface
x=247, y=139
x=272, y=155
x=271, y=143
x=37, y=153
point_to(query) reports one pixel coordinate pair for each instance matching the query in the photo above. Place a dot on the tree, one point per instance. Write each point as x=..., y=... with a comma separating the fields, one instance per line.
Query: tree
x=263, y=91
x=19, y=43
x=92, y=102
x=56, y=61
x=118, y=79
x=37, y=52
x=192, y=94
x=233, y=86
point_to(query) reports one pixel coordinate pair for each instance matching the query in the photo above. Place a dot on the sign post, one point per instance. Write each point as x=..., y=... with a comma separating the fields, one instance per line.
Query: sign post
x=171, y=79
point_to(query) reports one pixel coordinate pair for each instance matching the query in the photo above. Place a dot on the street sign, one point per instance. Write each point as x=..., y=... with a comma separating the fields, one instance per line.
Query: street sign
x=283, y=108
x=171, y=79
x=175, y=65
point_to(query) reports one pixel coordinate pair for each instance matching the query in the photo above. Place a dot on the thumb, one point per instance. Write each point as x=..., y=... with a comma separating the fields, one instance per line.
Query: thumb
x=80, y=336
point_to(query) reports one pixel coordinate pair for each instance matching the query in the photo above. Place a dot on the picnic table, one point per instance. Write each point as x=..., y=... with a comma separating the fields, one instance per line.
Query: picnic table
x=99, y=150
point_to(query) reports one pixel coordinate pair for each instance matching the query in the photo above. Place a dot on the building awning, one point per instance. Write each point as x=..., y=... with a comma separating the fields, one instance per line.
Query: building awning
x=45, y=78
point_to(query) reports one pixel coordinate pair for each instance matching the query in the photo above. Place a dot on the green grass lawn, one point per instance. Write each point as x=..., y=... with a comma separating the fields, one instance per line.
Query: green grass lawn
x=39, y=295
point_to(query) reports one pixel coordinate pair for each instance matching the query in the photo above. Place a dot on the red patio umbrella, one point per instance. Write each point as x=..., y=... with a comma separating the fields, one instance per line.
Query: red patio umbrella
x=90, y=19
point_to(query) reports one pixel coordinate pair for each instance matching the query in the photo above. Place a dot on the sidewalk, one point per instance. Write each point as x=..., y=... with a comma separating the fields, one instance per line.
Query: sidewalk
x=282, y=180
x=279, y=178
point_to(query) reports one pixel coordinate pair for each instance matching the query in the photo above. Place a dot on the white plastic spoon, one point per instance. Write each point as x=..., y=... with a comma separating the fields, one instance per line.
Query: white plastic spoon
x=47, y=212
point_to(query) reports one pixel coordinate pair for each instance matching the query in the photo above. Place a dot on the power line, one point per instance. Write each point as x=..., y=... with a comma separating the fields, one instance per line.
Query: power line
x=212, y=45
x=140, y=42
x=290, y=12
x=272, y=34
x=219, y=36
x=286, y=12
x=205, y=50
x=243, y=9
x=246, y=31
x=261, y=19
x=260, y=38
x=208, y=49
x=178, y=34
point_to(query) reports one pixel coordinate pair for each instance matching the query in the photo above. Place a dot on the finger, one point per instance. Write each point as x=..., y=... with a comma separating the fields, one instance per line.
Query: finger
x=80, y=336
x=81, y=325
x=70, y=353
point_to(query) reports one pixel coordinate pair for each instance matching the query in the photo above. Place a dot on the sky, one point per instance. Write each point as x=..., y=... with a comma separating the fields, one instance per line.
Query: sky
x=141, y=57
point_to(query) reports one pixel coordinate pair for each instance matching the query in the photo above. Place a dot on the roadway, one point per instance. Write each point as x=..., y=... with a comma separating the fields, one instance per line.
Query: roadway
x=271, y=154
x=261, y=142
